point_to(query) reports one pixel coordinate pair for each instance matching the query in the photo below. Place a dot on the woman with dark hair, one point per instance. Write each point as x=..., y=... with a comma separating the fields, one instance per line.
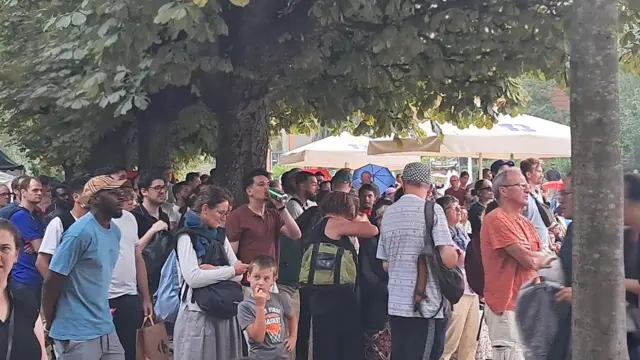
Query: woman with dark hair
x=21, y=330
x=337, y=330
x=197, y=335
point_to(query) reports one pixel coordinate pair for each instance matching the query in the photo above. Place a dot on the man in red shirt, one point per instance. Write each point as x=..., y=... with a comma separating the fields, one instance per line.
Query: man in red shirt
x=254, y=228
x=510, y=249
x=457, y=191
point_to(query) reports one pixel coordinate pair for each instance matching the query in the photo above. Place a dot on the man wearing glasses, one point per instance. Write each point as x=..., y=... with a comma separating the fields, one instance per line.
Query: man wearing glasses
x=5, y=195
x=149, y=215
x=511, y=254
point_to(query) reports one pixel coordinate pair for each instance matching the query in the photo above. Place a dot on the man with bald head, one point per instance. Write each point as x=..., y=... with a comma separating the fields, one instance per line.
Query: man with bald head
x=5, y=195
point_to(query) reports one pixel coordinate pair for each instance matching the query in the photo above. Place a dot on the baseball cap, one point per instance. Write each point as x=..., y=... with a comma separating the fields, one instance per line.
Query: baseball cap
x=495, y=167
x=99, y=183
x=342, y=176
x=417, y=172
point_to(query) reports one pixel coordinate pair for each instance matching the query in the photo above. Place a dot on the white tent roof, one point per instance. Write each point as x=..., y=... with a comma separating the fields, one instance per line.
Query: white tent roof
x=521, y=136
x=342, y=151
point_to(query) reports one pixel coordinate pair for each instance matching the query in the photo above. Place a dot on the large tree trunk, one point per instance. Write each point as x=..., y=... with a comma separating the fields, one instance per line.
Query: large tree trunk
x=243, y=128
x=599, y=330
x=154, y=126
x=243, y=142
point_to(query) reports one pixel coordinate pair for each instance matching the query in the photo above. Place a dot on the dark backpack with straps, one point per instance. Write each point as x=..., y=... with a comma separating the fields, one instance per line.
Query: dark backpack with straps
x=67, y=219
x=450, y=281
x=219, y=300
x=473, y=265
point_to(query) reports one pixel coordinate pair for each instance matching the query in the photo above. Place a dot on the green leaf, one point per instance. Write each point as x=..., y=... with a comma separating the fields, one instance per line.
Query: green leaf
x=63, y=21
x=49, y=23
x=240, y=3
x=140, y=102
x=111, y=40
x=165, y=13
x=104, y=28
x=78, y=18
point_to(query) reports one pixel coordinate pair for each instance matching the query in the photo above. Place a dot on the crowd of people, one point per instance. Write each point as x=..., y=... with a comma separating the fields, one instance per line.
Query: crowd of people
x=328, y=272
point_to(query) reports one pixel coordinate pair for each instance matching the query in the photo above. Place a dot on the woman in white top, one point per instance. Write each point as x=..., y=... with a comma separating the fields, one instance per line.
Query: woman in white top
x=197, y=335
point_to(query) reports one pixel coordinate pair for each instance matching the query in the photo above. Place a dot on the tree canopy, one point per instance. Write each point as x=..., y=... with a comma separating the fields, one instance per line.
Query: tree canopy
x=73, y=72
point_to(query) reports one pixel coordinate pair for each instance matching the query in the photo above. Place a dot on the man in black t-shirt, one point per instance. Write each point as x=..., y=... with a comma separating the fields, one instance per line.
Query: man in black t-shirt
x=150, y=217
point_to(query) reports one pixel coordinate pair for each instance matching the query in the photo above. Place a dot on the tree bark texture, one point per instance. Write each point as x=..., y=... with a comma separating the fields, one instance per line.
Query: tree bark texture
x=154, y=126
x=243, y=139
x=599, y=330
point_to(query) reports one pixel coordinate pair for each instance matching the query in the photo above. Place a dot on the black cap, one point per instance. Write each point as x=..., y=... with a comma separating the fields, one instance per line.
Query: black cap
x=495, y=167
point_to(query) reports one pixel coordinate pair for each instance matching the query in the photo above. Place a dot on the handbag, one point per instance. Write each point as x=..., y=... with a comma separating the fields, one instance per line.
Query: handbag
x=219, y=300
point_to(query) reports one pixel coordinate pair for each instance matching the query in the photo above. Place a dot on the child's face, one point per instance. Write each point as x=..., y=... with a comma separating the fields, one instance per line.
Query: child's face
x=262, y=278
x=464, y=216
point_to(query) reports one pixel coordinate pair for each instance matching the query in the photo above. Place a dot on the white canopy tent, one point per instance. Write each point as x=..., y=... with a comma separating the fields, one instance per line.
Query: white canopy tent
x=6, y=179
x=522, y=136
x=342, y=151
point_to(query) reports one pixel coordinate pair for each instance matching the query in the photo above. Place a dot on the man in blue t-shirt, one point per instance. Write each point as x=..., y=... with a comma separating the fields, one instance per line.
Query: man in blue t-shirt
x=25, y=278
x=76, y=291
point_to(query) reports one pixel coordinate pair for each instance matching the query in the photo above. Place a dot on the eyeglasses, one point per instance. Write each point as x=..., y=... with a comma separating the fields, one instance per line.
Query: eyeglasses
x=159, y=188
x=485, y=188
x=522, y=186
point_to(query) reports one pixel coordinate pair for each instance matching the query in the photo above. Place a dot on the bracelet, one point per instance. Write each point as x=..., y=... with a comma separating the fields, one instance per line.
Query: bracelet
x=282, y=208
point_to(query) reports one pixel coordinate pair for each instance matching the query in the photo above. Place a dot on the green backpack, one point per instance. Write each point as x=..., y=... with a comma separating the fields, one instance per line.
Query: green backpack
x=326, y=264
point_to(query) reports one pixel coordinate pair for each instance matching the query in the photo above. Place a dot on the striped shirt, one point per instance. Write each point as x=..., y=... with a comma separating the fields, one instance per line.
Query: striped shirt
x=402, y=236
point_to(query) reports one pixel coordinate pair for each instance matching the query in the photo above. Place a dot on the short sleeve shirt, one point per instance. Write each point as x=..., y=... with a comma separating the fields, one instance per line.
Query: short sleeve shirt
x=460, y=194
x=52, y=236
x=503, y=274
x=30, y=227
x=124, y=281
x=255, y=234
x=86, y=255
x=401, y=242
x=276, y=311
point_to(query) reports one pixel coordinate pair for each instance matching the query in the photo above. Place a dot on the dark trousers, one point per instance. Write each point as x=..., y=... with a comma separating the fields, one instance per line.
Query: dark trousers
x=31, y=292
x=338, y=335
x=127, y=318
x=304, y=325
x=413, y=338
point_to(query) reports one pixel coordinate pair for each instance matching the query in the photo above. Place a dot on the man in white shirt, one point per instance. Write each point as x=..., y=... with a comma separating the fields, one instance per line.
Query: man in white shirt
x=129, y=279
x=59, y=224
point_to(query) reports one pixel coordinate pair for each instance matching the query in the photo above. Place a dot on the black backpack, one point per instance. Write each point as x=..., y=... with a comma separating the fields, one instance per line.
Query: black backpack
x=219, y=300
x=450, y=281
x=67, y=219
x=155, y=254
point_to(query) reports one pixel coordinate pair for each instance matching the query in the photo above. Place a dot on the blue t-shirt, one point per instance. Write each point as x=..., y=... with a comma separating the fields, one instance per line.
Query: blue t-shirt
x=30, y=227
x=86, y=255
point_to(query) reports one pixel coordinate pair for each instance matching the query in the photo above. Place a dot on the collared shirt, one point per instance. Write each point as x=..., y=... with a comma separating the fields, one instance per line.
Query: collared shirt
x=254, y=234
x=402, y=241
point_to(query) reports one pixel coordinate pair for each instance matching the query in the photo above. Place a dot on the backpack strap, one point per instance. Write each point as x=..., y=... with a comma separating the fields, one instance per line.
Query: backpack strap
x=338, y=266
x=421, y=282
x=67, y=219
x=314, y=258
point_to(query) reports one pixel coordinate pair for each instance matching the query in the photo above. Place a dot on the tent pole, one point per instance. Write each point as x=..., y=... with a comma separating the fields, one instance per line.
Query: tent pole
x=480, y=166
